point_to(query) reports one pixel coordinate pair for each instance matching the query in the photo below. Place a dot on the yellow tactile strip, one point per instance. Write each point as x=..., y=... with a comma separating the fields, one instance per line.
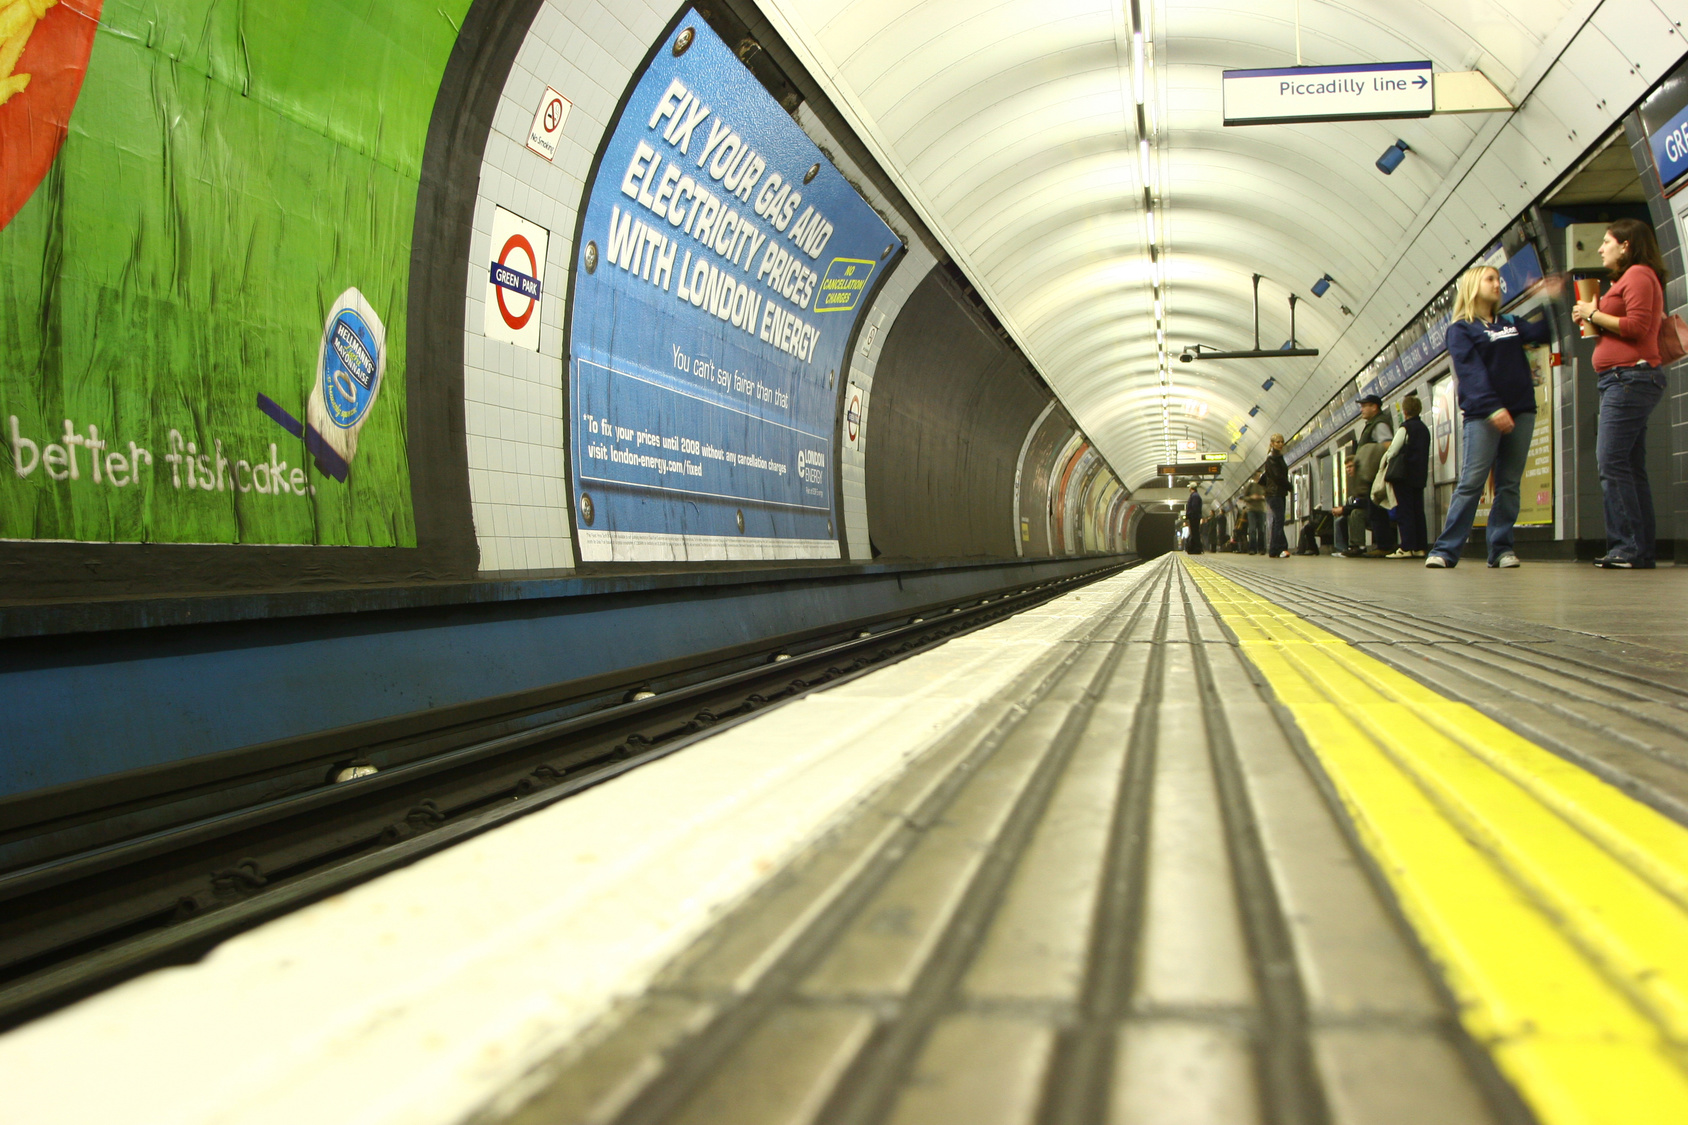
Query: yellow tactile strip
x=1555, y=905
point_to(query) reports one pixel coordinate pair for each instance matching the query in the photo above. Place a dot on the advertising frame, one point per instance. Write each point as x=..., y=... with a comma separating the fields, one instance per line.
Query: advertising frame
x=668, y=542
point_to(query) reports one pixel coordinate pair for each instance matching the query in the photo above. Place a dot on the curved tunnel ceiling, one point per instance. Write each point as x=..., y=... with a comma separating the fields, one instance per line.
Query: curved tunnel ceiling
x=1013, y=128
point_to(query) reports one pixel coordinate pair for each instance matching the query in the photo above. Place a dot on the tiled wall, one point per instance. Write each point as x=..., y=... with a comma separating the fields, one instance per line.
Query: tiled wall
x=1667, y=462
x=513, y=396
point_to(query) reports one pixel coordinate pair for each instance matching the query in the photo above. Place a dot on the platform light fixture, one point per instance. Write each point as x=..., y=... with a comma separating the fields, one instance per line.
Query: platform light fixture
x=1142, y=64
x=1137, y=65
x=1392, y=157
x=1267, y=385
x=1321, y=285
x=1253, y=410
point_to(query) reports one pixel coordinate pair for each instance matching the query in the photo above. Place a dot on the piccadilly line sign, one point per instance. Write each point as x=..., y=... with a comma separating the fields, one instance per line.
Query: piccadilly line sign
x=1361, y=91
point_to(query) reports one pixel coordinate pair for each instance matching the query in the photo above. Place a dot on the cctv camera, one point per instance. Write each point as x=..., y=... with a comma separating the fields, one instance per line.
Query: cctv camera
x=1186, y=358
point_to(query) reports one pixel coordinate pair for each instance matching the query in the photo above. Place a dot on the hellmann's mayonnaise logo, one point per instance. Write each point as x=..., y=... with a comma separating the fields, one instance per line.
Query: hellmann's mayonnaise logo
x=350, y=364
x=843, y=285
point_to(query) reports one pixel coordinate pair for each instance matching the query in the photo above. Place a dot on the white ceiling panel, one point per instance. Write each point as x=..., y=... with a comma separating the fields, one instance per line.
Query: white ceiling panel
x=1642, y=34
x=1011, y=127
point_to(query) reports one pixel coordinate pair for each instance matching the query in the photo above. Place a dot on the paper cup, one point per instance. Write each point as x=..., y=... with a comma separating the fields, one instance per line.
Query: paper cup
x=1588, y=289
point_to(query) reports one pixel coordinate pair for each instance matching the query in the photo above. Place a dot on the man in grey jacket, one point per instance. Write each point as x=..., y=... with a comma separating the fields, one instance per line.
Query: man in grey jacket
x=1375, y=432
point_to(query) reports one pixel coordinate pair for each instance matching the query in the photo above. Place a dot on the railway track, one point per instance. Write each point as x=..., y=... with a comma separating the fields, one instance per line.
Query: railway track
x=76, y=923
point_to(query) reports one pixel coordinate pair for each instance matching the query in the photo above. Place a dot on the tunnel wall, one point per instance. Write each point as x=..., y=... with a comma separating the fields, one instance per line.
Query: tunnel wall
x=1037, y=466
x=371, y=195
x=180, y=272
x=951, y=409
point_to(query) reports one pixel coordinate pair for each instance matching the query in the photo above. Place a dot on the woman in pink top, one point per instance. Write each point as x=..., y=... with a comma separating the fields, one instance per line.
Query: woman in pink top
x=1631, y=383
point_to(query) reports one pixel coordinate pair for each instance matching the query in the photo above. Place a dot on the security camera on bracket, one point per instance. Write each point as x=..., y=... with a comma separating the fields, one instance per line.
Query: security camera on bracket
x=1195, y=352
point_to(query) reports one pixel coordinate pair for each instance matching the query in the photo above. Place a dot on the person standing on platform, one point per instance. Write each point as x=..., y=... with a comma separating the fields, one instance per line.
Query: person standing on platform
x=1193, y=521
x=1375, y=434
x=1632, y=381
x=1497, y=396
x=1407, y=473
x=1274, y=481
x=1254, y=500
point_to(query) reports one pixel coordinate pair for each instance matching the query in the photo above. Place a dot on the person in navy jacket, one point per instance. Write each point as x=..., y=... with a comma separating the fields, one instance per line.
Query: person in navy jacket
x=1497, y=396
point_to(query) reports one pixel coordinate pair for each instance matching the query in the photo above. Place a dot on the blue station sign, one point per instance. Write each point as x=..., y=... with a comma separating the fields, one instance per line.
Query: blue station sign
x=1670, y=148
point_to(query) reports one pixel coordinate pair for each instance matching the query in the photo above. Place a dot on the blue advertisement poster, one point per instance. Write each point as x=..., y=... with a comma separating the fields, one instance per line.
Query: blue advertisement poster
x=721, y=267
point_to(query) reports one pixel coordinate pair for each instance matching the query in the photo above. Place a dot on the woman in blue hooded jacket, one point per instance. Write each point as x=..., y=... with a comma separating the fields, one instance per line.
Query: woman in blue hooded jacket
x=1497, y=396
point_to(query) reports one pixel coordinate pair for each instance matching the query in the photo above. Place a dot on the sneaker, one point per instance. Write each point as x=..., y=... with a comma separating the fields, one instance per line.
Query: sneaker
x=1418, y=554
x=1507, y=561
x=1437, y=562
x=1399, y=554
x=1283, y=554
x=1614, y=562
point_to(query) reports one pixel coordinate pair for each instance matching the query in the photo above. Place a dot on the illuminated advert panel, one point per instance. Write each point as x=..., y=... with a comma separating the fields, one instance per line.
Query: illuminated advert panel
x=721, y=266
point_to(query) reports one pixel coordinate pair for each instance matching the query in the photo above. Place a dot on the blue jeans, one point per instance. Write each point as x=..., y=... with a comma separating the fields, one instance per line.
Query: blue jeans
x=1278, y=544
x=1487, y=448
x=1627, y=396
x=1256, y=533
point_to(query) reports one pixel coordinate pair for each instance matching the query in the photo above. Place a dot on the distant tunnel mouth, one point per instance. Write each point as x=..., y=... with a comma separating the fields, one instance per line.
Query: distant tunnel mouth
x=1155, y=534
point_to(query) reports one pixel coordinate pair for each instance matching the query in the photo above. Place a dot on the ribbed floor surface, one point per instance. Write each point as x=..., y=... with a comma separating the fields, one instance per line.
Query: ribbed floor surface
x=1125, y=893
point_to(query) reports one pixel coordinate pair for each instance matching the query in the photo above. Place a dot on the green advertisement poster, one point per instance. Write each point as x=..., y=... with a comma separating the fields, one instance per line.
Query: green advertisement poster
x=206, y=212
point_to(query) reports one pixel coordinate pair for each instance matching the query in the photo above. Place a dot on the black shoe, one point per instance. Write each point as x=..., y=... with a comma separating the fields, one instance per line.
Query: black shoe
x=1614, y=562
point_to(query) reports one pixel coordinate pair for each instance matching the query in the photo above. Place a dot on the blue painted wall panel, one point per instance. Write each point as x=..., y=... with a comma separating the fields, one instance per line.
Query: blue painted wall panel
x=127, y=702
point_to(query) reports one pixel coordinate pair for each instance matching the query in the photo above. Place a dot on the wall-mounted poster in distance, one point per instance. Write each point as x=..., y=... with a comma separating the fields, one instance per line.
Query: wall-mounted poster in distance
x=721, y=266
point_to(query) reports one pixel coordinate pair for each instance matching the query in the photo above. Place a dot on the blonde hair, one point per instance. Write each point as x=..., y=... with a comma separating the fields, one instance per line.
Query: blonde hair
x=1466, y=297
x=1277, y=437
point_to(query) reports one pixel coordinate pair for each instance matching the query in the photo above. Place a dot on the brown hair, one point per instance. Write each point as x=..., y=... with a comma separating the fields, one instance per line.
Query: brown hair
x=1643, y=247
x=1411, y=406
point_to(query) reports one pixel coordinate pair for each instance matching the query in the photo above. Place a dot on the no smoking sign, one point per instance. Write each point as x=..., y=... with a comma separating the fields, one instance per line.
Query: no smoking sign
x=548, y=122
x=515, y=279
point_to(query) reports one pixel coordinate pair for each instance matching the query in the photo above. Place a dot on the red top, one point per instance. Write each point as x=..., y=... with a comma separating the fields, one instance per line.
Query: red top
x=1638, y=301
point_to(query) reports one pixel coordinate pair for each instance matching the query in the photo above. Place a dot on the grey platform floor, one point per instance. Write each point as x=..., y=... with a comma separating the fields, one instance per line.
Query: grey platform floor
x=1124, y=894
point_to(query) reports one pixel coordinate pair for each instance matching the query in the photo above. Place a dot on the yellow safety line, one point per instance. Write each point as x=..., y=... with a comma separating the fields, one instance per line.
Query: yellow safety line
x=1555, y=905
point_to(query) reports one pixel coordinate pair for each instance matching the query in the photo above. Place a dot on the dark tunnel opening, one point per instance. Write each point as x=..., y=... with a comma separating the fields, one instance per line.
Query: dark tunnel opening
x=1155, y=534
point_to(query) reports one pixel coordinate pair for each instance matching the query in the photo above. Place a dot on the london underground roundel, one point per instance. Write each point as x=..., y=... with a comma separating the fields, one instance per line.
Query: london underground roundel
x=48, y=43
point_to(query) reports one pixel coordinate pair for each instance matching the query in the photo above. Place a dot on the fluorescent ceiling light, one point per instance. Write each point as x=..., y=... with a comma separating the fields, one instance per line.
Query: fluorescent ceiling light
x=1137, y=65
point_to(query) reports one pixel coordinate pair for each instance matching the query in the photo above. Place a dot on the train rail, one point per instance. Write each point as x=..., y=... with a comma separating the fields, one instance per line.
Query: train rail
x=79, y=922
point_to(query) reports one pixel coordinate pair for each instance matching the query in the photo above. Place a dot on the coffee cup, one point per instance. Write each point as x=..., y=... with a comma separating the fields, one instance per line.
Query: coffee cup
x=1588, y=289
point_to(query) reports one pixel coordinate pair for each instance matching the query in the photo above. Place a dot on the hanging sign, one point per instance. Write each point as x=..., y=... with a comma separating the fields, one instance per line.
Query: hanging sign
x=1283, y=95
